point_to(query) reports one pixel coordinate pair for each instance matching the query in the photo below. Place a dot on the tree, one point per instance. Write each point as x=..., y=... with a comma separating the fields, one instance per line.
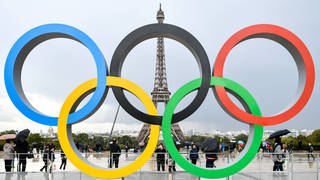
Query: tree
x=196, y=139
x=127, y=140
x=82, y=138
x=315, y=137
x=225, y=139
x=242, y=137
x=9, y=132
x=35, y=138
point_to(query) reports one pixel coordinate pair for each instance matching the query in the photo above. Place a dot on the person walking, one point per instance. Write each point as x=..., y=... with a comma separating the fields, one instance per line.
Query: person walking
x=51, y=157
x=63, y=160
x=22, y=152
x=161, y=157
x=45, y=158
x=115, y=153
x=278, y=155
x=8, y=156
x=310, y=152
x=194, y=154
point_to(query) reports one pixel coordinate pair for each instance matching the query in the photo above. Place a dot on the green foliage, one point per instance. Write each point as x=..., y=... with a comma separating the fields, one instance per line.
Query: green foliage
x=82, y=138
x=131, y=142
x=9, y=132
x=242, y=137
x=225, y=139
x=290, y=140
x=35, y=138
x=196, y=139
x=315, y=137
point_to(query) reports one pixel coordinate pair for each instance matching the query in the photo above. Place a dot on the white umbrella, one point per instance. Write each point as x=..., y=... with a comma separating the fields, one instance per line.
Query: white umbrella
x=7, y=136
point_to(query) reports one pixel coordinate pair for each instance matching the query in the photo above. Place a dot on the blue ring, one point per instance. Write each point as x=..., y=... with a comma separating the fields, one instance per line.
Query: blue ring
x=20, y=50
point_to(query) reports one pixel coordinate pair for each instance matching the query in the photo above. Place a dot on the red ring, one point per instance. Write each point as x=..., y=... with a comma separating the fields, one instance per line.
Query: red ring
x=308, y=67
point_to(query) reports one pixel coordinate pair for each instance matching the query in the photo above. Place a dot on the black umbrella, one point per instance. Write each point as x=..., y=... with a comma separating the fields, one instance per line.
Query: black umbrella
x=23, y=135
x=187, y=143
x=34, y=144
x=210, y=145
x=99, y=143
x=279, y=133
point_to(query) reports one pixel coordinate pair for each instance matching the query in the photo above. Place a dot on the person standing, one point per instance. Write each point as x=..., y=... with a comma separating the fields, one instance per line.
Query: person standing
x=63, y=160
x=223, y=147
x=127, y=150
x=161, y=154
x=211, y=157
x=290, y=148
x=300, y=145
x=285, y=155
x=52, y=150
x=232, y=150
x=171, y=162
x=115, y=153
x=194, y=155
x=8, y=156
x=278, y=155
x=22, y=151
x=310, y=151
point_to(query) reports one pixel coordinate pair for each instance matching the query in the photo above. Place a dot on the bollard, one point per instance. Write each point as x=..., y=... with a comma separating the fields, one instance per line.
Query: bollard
x=260, y=162
x=318, y=167
x=291, y=160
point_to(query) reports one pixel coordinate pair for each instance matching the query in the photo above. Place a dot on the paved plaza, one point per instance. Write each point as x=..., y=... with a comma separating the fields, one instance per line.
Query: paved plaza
x=299, y=167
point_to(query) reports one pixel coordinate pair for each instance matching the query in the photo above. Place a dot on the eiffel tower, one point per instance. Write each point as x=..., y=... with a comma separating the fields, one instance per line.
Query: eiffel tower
x=160, y=92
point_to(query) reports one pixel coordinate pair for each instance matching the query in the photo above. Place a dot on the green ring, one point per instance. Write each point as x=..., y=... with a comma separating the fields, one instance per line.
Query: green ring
x=254, y=138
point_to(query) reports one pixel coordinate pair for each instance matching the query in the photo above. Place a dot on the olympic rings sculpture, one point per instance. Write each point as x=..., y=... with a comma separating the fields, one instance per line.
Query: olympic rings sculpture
x=69, y=114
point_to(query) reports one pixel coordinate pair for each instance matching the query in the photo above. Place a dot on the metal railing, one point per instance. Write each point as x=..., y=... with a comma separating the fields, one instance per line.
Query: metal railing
x=295, y=165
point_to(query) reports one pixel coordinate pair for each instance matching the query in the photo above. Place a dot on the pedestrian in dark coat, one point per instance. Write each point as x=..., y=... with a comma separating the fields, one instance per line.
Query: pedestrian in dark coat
x=278, y=155
x=115, y=153
x=22, y=149
x=310, y=152
x=194, y=155
x=63, y=160
x=211, y=157
x=161, y=157
x=45, y=158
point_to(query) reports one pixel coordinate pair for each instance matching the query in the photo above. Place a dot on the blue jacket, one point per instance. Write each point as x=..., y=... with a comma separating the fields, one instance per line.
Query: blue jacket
x=194, y=154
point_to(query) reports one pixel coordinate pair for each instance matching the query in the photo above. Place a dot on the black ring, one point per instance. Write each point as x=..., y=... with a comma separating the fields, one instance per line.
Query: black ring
x=168, y=31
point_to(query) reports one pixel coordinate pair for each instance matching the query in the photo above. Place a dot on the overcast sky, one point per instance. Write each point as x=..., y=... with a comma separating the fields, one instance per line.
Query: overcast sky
x=56, y=67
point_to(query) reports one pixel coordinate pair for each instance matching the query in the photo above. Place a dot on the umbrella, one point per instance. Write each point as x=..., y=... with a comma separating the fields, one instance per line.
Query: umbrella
x=210, y=145
x=23, y=135
x=34, y=144
x=279, y=133
x=7, y=136
x=240, y=142
x=99, y=143
x=265, y=143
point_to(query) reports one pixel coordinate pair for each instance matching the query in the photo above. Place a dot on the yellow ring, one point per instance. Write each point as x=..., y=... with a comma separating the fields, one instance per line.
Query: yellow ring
x=79, y=161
